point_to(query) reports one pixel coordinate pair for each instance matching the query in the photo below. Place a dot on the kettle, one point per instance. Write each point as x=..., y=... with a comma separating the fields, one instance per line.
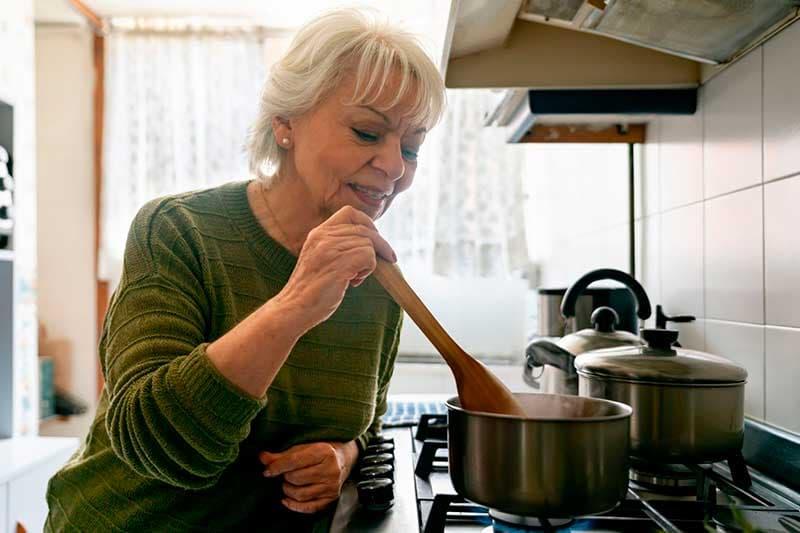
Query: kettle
x=550, y=366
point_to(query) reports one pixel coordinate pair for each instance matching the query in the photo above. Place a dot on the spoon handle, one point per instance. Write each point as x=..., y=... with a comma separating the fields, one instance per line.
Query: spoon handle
x=389, y=275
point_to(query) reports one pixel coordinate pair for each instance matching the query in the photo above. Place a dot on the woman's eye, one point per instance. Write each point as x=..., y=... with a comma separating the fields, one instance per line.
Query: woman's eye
x=365, y=136
x=410, y=155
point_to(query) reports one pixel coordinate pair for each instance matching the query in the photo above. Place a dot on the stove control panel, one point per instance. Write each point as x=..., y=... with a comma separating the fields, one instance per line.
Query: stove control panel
x=376, y=475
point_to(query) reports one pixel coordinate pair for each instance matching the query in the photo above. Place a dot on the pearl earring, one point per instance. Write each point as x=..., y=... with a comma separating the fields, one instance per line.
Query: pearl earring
x=285, y=140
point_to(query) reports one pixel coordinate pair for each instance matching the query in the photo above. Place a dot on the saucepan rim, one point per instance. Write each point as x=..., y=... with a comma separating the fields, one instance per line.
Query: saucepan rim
x=626, y=411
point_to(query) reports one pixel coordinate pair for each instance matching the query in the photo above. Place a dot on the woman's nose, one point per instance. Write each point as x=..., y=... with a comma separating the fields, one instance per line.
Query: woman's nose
x=390, y=160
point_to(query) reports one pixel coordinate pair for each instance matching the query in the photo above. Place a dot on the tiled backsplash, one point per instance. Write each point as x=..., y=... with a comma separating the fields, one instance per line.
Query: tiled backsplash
x=719, y=222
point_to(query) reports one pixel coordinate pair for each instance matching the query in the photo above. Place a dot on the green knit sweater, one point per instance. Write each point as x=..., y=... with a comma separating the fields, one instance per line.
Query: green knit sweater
x=174, y=444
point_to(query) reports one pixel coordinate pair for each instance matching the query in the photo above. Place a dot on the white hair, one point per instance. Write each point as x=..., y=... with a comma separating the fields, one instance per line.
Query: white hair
x=322, y=52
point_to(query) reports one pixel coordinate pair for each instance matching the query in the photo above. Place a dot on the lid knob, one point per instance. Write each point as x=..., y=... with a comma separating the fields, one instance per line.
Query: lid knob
x=605, y=319
x=659, y=339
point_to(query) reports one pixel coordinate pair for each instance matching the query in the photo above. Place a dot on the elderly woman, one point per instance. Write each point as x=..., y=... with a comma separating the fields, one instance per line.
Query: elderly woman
x=247, y=352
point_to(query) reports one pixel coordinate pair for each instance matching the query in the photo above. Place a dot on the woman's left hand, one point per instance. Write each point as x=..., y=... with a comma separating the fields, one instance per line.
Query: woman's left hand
x=313, y=474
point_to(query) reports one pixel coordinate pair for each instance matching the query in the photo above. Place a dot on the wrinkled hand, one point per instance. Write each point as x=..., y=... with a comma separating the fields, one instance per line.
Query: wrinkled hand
x=313, y=474
x=339, y=253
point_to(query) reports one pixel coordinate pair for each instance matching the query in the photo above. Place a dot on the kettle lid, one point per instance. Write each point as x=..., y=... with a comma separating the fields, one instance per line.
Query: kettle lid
x=602, y=334
x=659, y=361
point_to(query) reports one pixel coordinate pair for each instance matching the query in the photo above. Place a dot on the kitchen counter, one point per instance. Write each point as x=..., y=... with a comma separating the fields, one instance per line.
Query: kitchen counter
x=26, y=466
x=20, y=454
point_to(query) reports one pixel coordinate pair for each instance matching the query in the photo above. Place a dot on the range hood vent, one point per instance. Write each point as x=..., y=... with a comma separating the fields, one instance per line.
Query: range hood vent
x=519, y=110
x=710, y=31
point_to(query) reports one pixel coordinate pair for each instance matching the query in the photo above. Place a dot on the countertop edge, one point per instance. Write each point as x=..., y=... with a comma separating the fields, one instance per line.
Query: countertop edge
x=20, y=454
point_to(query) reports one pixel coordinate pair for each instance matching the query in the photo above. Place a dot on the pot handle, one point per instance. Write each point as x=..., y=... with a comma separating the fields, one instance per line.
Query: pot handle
x=527, y=374
x=643, y=309
x=543, y=352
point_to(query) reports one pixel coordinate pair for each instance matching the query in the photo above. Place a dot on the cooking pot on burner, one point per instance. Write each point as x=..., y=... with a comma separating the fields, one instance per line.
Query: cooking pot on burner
x=568, y=458
x=688, y=406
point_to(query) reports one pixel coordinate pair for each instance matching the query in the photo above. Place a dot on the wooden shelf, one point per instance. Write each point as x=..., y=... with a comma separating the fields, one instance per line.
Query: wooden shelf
x=6, y=255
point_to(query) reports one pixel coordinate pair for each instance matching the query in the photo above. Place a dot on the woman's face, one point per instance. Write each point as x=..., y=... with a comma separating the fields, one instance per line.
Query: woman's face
x=353, y=154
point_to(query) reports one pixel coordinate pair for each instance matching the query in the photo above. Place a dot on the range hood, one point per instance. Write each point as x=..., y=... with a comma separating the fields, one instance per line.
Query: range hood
x=578, y=44
x=519, y=110
x=708, y=31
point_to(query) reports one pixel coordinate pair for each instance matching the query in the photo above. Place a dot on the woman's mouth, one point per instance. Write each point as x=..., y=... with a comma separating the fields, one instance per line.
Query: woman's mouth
x=369, y=195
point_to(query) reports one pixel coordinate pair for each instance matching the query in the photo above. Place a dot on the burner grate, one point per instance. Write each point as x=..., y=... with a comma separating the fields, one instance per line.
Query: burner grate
x=718, y=495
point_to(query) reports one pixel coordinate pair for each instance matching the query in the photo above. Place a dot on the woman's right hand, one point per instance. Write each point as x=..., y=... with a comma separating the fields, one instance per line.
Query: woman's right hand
x=339, y=253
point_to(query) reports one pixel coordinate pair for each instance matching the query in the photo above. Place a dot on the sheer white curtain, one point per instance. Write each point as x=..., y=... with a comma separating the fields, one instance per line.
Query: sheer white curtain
x=178, y=106
x=463, y=216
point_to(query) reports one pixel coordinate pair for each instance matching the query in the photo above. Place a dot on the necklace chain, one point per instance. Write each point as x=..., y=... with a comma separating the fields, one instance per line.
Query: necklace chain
x=285, y=235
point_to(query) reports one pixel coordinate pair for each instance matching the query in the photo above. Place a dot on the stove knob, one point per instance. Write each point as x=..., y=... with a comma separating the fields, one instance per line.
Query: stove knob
x=379, y=439
x=378, y=471
x=377, y=459
x=376, y=494
x=383, y=447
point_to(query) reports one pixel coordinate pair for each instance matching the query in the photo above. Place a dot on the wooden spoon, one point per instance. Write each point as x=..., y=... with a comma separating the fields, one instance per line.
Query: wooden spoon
x=478, y=388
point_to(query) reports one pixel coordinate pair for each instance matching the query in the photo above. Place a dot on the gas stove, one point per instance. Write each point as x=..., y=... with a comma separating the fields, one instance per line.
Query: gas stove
x=757, y=489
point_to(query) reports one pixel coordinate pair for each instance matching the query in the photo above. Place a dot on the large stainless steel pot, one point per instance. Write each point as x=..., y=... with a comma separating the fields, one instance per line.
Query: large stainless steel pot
x=568, y=458
x=688, y=406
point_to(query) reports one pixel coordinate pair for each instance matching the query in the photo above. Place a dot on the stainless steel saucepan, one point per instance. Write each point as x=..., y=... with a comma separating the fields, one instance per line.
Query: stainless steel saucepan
x=688, y=406
x=568, y=457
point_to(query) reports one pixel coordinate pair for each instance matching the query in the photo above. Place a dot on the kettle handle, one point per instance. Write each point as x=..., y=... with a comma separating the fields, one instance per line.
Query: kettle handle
x=643, y=309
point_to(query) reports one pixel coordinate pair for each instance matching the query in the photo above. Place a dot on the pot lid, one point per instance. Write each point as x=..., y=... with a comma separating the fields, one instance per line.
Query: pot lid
x=660, y=362
x=603, y=334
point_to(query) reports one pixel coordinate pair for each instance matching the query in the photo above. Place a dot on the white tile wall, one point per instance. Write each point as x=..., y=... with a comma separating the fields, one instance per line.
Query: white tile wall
x=783, y=369
x=681, y=160
x=731, y=257
x=646, y=191
x=682, y=261
x=732, y=128
x=782, y=250
x=782, y=104
x=692, y=335
x=734, y=279
x=718, y=234
x=744, y=345
x=648, y=266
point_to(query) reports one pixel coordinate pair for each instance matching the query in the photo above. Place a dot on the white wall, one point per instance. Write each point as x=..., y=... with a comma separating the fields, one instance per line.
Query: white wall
x=436, y=378
x=67, y=290
x=576, y=221
x=485, y=316
x=719, y=222
x=576, y=209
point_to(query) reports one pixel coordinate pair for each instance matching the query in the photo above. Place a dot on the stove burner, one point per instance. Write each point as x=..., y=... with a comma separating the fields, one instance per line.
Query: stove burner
x=725, y=520
x=506, y=523
x=666, y=479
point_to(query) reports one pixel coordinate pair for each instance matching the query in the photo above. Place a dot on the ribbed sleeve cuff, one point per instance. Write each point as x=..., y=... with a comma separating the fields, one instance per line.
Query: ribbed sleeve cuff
x=362, y=441
x=211, y=396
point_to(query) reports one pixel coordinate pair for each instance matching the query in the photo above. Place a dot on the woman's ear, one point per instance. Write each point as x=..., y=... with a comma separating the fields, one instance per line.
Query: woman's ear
x=282, y=130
